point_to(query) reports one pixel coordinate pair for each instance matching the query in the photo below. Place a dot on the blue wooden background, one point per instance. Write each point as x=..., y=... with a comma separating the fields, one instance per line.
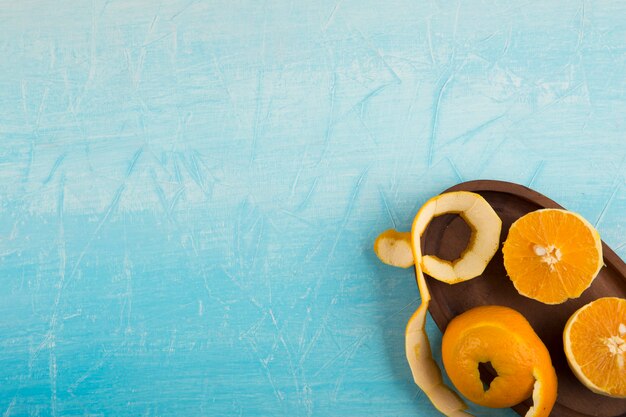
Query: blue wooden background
x=189, y=190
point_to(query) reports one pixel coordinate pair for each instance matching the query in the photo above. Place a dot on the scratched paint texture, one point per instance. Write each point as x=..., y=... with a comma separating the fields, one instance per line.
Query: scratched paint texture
x=189, y=191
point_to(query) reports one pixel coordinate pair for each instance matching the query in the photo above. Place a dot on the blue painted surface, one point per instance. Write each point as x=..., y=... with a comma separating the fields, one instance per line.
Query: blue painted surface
x=189, y=191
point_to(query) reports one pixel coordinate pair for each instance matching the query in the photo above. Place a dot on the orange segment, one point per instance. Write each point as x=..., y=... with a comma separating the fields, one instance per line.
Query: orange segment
x=552, y=255
x=504, y=338
x=594, y=340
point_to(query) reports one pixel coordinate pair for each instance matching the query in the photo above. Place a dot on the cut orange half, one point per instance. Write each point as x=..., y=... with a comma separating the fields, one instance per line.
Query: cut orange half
x=594, y=340
x=552, y=255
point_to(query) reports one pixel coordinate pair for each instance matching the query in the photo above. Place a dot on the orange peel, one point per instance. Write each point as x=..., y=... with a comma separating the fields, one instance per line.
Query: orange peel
x=485, y=225
x=391, y=247
x=394, y=248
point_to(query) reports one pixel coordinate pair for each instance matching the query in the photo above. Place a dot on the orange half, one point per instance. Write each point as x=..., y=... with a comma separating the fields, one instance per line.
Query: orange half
x=552, y=255
x=594, y=340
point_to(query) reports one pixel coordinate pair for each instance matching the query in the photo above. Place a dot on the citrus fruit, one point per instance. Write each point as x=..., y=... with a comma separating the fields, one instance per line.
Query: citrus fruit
x=485, y=225
x=552, y=255
x=502, y=337
x=594, y=340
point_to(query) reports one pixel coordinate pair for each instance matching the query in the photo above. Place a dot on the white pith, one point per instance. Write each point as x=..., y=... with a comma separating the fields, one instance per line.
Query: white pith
x=550, y=254
x=617, y=347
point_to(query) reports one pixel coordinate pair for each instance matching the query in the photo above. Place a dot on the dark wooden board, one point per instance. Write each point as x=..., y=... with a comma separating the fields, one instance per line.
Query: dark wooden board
x=447, y=235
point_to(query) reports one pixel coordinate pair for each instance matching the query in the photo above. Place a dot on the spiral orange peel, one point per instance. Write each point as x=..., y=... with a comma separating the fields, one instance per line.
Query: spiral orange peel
x=392, y=248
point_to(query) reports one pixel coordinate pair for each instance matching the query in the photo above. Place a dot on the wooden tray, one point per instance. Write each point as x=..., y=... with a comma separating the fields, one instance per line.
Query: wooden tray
x=446, y=237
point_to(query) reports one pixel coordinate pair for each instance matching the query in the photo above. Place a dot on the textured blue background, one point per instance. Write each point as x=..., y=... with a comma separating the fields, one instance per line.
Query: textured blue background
x=189, y=191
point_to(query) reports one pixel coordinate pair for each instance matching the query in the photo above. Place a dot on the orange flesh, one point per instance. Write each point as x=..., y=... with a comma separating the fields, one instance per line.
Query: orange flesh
x=595, y=345
x=552, y=255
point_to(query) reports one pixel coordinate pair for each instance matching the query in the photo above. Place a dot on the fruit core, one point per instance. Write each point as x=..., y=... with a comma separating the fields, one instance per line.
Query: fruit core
x=617, y=345
x=550, y=254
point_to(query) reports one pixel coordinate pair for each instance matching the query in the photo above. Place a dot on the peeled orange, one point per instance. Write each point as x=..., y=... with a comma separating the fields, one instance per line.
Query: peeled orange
x=502, y=337
x=594, y=340
x=552, y=255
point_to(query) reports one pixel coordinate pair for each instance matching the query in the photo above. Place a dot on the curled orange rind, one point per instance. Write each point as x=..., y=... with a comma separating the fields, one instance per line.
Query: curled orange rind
x=392, y=248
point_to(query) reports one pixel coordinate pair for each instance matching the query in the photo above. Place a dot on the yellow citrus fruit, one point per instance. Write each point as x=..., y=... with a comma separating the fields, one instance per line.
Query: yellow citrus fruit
x=552, y=255
x=502, y=337
x=594, y=340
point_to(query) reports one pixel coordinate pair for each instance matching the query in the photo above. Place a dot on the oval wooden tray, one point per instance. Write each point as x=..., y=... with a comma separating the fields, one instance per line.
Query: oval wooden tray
x=447, y=235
